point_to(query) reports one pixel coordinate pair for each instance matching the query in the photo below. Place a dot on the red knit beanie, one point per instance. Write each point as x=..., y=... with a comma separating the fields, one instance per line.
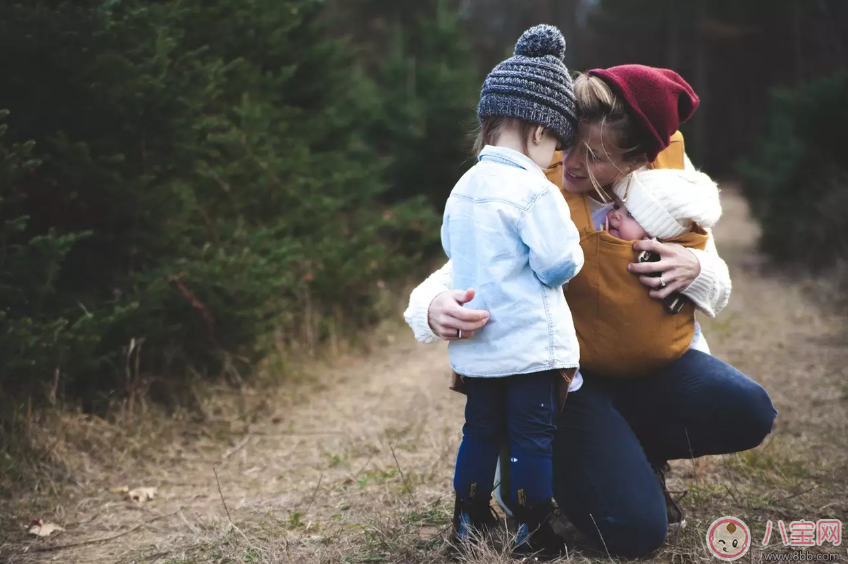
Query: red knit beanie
x=659, y=99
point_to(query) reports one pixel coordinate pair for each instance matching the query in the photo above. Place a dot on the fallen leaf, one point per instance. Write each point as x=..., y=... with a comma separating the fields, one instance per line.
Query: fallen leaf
x=121, y=489
x=41, y=529
x=140, y=495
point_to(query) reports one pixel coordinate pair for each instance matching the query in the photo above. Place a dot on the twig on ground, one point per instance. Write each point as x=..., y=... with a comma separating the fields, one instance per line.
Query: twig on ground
x=191, y=527
x=364, y=466
x=314, y=493
x=156, y=557
x=299, y=433
x=106, y=539
x=440, y=532
x=230, y=519
x=794, y=495
x=767, y=444
x=602, y=538
x=238, y=447
x=402, y=477
x=733, y=497
x=83, y=522
x=692, y=457
x=735, y=485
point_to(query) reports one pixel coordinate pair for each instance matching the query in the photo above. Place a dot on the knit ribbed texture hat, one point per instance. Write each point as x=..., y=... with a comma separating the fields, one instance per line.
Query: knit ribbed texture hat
x=667, y=202
x=533, y=85
x=659, y=99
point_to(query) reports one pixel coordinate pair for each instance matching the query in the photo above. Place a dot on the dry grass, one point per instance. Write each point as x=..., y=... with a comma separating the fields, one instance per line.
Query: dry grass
x=353, y=462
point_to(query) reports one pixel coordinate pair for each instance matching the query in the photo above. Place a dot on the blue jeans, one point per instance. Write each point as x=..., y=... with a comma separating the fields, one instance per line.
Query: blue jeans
x=523, y=409
x=611, y=430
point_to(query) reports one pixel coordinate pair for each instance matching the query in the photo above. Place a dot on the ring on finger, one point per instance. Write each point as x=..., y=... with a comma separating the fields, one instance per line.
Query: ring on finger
x=662, y=282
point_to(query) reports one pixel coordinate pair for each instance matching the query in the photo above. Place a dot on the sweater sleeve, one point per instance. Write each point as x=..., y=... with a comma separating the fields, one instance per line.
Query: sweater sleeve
x=710, y=291
x=422, y=296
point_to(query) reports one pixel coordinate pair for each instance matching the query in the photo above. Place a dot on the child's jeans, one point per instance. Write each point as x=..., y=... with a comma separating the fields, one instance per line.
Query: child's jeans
x=522, y=407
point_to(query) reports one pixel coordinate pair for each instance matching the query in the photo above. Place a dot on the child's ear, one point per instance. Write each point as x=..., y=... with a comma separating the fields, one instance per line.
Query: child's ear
x=538, y=134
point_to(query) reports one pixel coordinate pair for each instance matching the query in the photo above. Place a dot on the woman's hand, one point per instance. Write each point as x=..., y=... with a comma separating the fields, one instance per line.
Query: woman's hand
x=678, y=266
x=446, y=315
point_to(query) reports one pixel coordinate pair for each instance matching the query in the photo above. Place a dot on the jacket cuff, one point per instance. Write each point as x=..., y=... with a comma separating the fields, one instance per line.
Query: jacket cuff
x=702, y=289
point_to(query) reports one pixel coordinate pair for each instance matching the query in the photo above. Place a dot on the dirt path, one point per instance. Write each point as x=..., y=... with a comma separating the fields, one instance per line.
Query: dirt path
x=358, y=469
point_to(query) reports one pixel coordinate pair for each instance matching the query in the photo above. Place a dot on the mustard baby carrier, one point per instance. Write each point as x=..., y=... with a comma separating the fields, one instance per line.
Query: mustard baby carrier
x=622, y=331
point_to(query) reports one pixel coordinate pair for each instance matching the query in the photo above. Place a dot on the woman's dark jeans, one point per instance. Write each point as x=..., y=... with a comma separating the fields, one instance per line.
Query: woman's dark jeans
x=612, y=429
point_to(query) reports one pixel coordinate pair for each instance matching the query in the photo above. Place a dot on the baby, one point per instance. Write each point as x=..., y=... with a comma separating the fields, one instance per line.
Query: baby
x=631, y=334
x=662, y=204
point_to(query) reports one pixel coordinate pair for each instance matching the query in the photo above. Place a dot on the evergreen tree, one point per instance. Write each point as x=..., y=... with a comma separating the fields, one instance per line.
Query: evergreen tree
x=216, y=156
x=424, y=68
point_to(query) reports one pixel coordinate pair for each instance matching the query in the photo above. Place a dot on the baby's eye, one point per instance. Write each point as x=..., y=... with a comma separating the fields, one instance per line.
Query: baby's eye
x=630, y=215
x=616, y=207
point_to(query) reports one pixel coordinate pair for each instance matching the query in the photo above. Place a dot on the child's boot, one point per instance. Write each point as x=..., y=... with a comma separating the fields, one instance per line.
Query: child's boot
x=539, y=530
x=470, y=517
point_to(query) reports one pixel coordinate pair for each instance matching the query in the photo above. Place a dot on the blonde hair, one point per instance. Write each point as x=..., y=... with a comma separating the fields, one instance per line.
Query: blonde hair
x=598, y=104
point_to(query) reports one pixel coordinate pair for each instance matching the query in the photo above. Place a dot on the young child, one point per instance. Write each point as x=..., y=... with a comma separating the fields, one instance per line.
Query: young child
x=633, y=334
x=509, y=234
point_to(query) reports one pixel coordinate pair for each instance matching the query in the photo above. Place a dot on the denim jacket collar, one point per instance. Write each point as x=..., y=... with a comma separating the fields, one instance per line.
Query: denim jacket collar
x=510, y=157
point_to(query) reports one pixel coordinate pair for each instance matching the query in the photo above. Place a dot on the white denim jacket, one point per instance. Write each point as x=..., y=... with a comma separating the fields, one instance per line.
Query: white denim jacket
x=509, y=233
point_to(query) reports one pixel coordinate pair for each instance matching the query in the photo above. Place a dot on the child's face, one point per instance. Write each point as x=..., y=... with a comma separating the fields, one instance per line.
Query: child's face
x=622, y=225
x=542, y=146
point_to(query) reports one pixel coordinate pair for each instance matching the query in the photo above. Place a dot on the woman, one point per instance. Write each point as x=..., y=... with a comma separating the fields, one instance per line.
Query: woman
x=616, y=434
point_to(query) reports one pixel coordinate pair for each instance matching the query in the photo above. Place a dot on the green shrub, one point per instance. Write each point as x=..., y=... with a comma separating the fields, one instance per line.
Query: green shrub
x=797, y=178
x=202, y=180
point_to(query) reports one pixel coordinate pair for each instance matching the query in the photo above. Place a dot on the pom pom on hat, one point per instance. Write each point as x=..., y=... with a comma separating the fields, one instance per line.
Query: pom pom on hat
x=540, y=41
x=667, y=202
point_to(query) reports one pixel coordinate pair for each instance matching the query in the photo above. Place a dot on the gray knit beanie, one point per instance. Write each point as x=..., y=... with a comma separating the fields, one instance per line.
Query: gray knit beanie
x=533, y=85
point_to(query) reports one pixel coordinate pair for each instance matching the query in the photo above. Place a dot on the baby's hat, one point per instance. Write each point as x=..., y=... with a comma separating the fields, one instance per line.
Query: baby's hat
x=667, y=202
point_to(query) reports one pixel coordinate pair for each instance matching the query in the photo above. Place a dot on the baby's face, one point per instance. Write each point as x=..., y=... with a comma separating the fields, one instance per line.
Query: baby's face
x=622, y=225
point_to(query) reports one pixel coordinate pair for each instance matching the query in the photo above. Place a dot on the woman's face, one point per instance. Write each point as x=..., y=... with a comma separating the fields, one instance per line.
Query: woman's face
x=599, y=158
